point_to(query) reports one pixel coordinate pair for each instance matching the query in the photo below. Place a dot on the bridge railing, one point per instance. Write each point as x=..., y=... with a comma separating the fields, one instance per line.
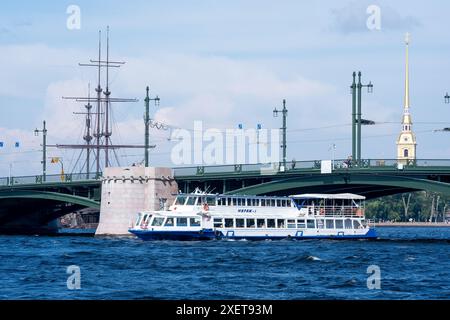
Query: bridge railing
x=54, y=178
x=293, y=166
x=263, y=169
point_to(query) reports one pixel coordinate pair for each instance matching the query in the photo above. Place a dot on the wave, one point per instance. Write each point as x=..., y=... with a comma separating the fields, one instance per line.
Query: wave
x=313, y=258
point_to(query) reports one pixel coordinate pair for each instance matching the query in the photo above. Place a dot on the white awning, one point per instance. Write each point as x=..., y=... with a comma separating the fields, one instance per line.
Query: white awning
x=349, y=196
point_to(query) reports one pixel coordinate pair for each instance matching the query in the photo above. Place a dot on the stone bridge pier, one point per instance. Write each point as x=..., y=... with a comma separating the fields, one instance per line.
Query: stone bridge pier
x=126, y=191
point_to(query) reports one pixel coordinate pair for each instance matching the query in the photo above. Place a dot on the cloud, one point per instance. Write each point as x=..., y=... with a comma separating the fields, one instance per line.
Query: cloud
x=31, y=67
x=216, y=89
x=220, y=91
x=353, y=18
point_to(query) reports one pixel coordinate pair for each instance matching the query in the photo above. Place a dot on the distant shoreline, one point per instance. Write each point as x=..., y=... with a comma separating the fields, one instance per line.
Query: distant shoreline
x=411, y=224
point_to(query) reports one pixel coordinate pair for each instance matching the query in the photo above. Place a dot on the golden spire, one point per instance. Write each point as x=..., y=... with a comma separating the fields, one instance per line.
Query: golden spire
x=407, y=41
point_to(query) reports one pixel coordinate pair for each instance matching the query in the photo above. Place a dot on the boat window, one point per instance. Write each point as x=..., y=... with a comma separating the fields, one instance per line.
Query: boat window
x=348, y=223
x=191, y=201
x=356, y=224
x=239, y=202
x=145, y=219
x=278, y=203
x=218, y=223
x=281, y=223
x=229, y=223
x=157, y=222
x=272, y=203
x=234, y=201
x=181, y=222
x=339, y=224
x=263, y=202
x=240, y=223
x=169, y=222
x=211, y=201
x=310, y=224
x=256, y=202
x=301, y=224
x=229, y=201
x=291, y=224
x=250, y=223
x=180, y=200
x=329, y=224
x=270, y=223
x=261, y=223
x=194, y=222
x=320, y=224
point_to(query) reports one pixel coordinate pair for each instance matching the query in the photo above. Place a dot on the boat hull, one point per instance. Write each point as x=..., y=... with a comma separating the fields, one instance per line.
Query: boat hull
x=175, y=235
x=214, y=235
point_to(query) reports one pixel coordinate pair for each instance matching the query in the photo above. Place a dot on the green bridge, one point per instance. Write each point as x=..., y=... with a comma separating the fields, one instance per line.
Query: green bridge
x=35, y=202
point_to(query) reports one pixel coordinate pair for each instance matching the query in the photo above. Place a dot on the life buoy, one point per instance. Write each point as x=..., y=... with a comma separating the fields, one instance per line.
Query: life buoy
x=205, y=207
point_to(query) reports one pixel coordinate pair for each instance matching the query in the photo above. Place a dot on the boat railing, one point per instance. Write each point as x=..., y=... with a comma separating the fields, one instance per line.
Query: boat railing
x=329, y=211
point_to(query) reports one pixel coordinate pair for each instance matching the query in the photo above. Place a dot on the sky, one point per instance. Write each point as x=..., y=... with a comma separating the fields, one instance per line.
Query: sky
x=224, y=63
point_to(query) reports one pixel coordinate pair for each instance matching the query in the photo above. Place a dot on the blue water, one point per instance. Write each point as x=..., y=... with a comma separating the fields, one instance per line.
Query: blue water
x=414, y=264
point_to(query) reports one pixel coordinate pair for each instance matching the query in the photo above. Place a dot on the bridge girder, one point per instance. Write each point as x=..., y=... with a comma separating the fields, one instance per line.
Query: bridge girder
x=371, y=186
x=46, y=195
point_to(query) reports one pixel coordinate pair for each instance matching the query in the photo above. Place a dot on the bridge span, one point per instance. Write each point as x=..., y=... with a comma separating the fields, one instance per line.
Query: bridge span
x=30, y=202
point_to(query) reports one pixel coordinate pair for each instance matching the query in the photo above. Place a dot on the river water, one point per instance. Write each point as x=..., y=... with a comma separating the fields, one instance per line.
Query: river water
x=414, y=263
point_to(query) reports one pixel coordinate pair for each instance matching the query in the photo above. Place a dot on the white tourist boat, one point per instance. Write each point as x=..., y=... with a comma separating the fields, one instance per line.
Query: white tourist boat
x=202, y=216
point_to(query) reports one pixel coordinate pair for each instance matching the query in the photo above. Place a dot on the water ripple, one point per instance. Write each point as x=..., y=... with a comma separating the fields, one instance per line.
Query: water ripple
x=414, y=264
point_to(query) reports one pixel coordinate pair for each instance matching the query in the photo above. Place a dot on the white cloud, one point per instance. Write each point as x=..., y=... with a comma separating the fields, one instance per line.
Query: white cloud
x=352, y=18
x=220, y=91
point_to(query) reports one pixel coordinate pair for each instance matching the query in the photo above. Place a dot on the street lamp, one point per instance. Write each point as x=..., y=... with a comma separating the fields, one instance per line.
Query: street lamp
x=356, y=114
x=284, y=111
x=366, y=122
x=147, y=123
x=333, y=151
x=44, y=149
x=59, y=160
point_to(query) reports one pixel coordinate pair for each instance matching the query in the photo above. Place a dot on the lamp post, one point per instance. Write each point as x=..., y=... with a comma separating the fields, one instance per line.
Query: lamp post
x=44, y=149
x=353, y=87
x=284, y=111
x=333, y=151
x=147, y=123
x=358, y=119
x=59, y=160
x=447, y=101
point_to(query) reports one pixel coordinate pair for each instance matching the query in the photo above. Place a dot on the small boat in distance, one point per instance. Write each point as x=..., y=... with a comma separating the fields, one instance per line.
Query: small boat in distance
x=202, y=216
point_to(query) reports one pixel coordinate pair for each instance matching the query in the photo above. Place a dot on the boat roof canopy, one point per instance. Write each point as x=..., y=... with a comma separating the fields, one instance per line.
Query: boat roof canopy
x=329, y=196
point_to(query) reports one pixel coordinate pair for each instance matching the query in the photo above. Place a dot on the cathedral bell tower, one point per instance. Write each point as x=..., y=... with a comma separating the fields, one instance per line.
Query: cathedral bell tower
x=406, y=142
